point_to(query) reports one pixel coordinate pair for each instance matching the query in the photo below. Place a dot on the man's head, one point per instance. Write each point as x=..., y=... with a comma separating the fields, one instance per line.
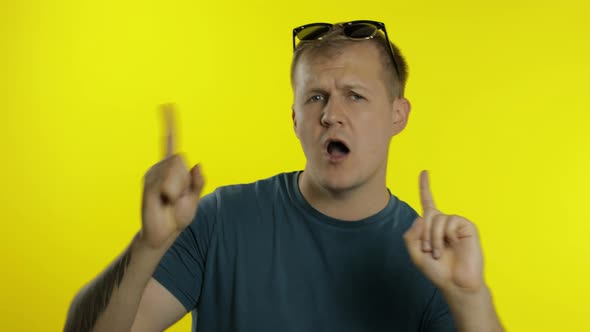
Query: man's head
x=348, y=104
x=395, y=68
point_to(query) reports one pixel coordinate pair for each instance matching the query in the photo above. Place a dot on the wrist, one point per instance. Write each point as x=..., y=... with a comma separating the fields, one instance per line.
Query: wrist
x=141, y=240
x=469, y=295
x=473, y=309
x=144, y=250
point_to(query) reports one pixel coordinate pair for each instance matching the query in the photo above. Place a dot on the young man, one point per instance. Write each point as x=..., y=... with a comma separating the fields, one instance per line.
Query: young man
x=325, y=249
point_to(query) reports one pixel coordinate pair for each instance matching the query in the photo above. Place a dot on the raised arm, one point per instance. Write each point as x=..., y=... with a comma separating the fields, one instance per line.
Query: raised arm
x=124, y=294
x=446, y=248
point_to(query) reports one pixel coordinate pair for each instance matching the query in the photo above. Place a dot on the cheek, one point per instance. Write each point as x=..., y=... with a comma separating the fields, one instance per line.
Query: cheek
x=304, y=130
x=375, y=136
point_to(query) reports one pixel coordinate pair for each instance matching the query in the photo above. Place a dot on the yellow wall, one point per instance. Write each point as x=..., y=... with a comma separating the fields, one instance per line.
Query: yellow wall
x=500, y=117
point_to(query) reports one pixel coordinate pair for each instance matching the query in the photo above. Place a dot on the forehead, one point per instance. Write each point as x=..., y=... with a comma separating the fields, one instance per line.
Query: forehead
x=350, y=64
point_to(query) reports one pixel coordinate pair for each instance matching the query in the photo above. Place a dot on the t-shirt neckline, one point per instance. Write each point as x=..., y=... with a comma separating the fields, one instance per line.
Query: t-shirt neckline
x=303, y=204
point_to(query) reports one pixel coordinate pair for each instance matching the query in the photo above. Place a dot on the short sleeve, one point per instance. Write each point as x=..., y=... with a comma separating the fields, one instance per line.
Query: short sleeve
x=437, y=317
x=182, y=267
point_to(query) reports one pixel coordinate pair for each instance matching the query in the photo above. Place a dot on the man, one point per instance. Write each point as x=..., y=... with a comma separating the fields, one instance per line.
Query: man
x=325, y=249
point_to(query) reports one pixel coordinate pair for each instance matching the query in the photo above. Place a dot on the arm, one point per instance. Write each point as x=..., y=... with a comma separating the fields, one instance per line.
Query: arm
x=473, y=311
x=110, y=302
x=158, y=309
x=446, y=248
x=119, y=299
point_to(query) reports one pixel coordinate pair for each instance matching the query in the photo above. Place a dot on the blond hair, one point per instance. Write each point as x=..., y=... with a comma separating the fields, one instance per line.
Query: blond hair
x=334, y=41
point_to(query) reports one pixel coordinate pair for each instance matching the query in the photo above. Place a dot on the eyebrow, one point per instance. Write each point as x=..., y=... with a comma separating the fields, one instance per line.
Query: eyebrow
x=348, y=86
x=315, y=90
x=353, y=86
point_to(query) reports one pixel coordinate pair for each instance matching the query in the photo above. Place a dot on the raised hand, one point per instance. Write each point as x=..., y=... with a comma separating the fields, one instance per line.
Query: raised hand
x=446, y=248
x=171, y=193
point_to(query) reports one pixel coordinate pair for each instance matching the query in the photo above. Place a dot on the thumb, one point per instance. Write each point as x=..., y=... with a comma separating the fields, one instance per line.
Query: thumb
x=413, y=237
x=414, y=233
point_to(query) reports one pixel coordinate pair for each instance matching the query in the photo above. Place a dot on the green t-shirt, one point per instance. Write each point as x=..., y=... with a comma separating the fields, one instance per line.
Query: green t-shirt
x=258, y=257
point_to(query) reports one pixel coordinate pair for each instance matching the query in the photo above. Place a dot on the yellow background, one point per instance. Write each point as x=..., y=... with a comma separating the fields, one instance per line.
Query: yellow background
x=500, y=117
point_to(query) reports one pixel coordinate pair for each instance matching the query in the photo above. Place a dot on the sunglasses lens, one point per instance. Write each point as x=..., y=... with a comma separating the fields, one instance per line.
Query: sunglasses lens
x=360, y=30
x=313, y=32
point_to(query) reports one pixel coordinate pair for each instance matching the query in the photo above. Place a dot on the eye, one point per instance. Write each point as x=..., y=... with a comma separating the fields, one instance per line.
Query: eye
x=356, y=97
x=316, y=98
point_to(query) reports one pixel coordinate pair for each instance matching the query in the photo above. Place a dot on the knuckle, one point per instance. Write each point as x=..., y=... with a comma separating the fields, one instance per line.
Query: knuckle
x=457, y=217
x=153, y=170
x=430, y=210
x=429, y=216
x=406, y=237
x=436, y=238
x=152, y=176
x=437, y=230
x=178, y=159
x=439, y=218
x=426, y=234
x=170, y=160
x=148, y=177
x=174, y=164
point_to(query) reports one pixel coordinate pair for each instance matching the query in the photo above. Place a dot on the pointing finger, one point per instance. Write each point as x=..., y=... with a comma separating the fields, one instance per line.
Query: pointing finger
x=168, y=113
x=425, y=194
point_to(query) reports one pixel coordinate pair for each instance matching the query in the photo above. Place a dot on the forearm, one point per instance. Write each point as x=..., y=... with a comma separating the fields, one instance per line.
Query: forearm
x=473, y=311
x=110, y=301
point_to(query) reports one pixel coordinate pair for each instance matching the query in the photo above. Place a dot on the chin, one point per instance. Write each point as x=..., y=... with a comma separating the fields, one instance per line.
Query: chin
x=337, y=180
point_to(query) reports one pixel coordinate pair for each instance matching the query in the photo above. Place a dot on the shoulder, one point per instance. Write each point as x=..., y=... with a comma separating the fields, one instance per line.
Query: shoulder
x=404, y=213
x=229, y=206
x=247, y=195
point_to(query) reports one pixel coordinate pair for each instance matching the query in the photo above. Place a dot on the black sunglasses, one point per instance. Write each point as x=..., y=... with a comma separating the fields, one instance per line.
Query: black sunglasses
x=362, y=29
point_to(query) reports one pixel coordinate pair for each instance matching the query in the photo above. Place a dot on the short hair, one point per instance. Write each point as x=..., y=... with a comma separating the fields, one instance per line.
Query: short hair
x=332, y=43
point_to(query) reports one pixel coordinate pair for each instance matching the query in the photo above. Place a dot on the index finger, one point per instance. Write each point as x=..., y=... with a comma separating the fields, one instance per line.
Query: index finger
x=168, y=114
x=425, y=194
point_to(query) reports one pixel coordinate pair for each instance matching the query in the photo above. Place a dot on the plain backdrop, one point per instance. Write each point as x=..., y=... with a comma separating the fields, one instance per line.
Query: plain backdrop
x=500, y=117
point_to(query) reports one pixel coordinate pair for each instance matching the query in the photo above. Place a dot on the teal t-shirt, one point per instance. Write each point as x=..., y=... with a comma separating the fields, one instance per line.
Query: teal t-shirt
x=258, y=257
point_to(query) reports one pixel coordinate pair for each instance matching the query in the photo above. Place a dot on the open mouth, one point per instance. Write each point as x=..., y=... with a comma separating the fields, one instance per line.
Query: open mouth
x=337, y=149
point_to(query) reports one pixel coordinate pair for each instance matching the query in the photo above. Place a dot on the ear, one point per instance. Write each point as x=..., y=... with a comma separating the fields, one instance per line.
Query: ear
x=400, y=114
x=294, y=120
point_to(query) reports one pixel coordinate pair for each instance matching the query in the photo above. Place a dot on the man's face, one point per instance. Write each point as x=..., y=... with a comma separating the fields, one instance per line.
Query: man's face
x=344, y=117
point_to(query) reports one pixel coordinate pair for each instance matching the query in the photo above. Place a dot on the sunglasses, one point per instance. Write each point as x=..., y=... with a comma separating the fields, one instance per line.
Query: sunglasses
x=357, y=30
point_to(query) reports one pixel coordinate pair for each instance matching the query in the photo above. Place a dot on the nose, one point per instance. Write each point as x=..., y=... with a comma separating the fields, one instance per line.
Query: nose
x=333, y=113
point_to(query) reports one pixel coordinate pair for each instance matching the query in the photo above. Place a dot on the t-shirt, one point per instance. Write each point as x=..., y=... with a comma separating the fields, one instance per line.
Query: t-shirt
x=258, y=257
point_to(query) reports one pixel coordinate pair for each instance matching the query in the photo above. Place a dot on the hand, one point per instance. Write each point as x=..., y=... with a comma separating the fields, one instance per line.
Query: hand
x=445, y=248
x=171, y=193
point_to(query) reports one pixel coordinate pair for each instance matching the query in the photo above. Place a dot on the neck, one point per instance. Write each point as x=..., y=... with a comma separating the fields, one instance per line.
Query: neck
x=348, y=205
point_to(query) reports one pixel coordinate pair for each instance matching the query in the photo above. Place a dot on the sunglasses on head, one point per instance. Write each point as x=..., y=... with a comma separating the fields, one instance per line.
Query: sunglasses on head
x=362, y=29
